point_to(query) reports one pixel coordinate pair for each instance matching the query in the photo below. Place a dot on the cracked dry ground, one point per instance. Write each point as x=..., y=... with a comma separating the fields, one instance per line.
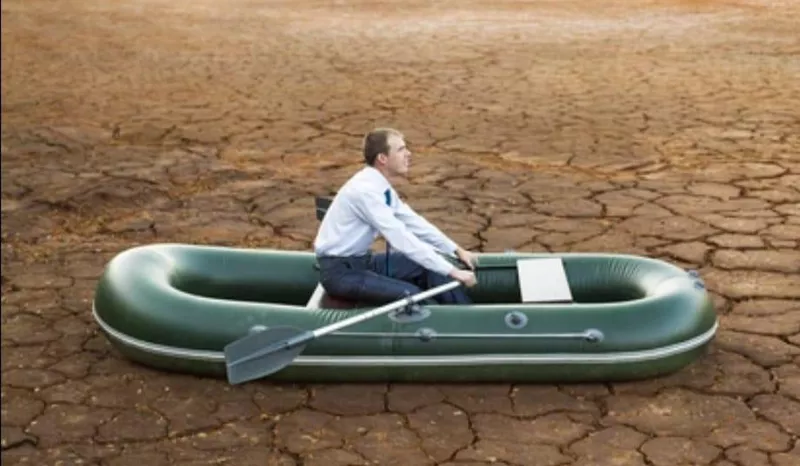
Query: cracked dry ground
x=661, y=128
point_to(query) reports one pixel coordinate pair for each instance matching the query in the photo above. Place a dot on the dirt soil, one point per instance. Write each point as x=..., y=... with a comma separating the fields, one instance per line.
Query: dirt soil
x=665, y=128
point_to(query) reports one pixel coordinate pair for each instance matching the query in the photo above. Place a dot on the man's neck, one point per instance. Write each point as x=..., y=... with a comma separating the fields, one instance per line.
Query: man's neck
x=385, y=174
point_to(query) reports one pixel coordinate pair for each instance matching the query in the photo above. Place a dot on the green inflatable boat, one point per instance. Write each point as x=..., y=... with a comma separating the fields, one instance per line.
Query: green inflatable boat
x=189, y=308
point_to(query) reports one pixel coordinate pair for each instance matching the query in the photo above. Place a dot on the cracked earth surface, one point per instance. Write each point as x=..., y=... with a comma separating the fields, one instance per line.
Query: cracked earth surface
x=665, y=128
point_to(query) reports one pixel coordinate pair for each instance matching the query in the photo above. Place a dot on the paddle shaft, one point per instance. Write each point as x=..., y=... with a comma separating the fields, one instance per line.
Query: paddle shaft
x=385, y=308
x=305, y=336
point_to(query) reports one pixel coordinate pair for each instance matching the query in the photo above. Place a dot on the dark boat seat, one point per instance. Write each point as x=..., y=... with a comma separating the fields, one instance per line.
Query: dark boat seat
x=322, y=300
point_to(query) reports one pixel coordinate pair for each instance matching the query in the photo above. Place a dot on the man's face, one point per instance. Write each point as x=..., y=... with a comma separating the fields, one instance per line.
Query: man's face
x=399, y=157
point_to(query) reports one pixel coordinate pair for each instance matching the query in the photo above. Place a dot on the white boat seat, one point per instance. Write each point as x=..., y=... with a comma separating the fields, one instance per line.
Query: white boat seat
x=543, y=281
x=316, y=298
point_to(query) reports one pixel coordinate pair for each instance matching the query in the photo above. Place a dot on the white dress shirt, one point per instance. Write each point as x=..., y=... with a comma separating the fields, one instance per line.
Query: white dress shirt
x=359, y=213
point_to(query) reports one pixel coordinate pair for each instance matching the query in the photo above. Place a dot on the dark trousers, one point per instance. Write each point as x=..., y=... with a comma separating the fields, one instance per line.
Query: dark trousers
x=364, y=279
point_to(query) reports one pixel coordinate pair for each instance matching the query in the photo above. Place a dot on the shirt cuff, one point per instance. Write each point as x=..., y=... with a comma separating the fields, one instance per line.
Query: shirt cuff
x=450, y=246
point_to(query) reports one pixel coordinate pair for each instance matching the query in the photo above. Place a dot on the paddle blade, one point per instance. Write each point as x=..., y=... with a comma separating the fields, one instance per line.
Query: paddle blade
x=263, y=353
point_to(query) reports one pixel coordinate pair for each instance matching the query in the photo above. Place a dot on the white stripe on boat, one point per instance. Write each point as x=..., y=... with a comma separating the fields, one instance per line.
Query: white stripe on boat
x=433, y=360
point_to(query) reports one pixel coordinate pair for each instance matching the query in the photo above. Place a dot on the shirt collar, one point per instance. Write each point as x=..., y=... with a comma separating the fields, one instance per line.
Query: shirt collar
x=375, y=175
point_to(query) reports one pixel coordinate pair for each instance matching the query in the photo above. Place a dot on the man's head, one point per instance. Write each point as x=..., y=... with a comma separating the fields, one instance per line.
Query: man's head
x=385, y=149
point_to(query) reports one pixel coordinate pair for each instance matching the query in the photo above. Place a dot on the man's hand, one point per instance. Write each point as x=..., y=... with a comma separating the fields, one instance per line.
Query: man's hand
x=469, y=259
x=464, y=276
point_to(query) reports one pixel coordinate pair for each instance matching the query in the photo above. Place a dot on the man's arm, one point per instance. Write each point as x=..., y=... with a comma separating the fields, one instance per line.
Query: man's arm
x=371, y=207
x=424, y=229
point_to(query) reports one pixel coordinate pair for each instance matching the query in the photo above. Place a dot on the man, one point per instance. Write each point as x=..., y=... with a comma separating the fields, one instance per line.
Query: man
x=366, y=206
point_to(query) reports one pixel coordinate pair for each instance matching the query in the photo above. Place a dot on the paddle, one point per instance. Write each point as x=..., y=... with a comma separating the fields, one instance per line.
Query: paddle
x=263, y=353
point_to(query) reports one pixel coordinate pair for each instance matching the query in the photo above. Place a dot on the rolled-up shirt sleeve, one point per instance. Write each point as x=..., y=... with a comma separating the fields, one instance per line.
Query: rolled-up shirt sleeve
x=372, y=208
x=424, y=229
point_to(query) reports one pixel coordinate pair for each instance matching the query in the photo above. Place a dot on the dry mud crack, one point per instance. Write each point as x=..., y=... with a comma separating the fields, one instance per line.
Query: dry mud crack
x=666, y=128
